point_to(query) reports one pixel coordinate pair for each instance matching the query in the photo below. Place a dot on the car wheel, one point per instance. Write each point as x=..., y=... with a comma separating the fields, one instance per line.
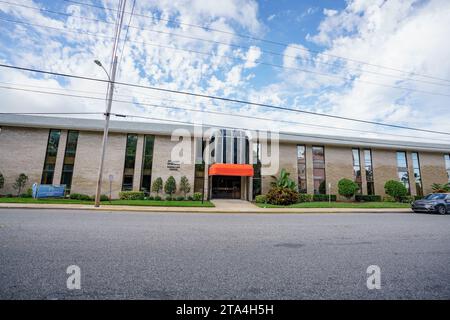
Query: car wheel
x=441, y=210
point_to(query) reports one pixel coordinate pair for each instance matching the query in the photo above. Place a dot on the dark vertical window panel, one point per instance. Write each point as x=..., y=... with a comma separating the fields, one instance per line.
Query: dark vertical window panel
x=320, y=186
x=50, y=156
x=256, y=169
x=301, y=168
x=147, y=162
x=368, y=166
x=357, y=168
x=224, y=146
x=402, y=169
x=235, y=150
x=130, y=159
x=417, y=173
x=69, y=159
x=247, y=151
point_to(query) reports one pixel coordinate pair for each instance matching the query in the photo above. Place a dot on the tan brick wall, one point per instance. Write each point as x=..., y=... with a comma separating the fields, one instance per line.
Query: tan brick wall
x=22, y=150
x=287, y=160
x=432, y=166
x=338, y=165
x=87, y=160
x=384, y=168
x=163, y=148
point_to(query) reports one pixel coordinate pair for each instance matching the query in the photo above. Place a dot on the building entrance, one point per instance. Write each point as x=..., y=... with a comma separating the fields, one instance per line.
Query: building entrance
x=226, y=187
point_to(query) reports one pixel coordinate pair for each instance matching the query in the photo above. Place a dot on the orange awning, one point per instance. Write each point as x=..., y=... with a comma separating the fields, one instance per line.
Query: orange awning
x=228, y=169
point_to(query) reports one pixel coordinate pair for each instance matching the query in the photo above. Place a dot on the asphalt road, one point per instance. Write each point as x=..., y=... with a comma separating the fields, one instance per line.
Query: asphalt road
x=222, y=256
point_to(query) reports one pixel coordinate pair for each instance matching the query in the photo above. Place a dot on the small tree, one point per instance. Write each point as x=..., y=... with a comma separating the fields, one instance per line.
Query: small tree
x=347, y=188
x=20, y=182
x=170, y=187
x=157, y=185
x=395, y=189
x=284, y=181
x=2, y=181
x=440, y=188
x=185, y=187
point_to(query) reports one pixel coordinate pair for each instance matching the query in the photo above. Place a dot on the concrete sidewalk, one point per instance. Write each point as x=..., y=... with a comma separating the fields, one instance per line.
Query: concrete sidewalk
x=220, y=208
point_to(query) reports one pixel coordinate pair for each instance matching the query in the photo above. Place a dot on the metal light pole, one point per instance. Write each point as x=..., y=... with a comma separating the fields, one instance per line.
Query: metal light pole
x=106, y=129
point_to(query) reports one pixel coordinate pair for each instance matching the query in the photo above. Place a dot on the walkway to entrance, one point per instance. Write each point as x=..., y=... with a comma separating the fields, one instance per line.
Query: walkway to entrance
x=233, y=204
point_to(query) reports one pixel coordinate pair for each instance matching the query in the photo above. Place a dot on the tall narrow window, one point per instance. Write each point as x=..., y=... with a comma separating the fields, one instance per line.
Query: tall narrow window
x=319, y=170
x=130, y=158
x=402, y=169
x=235, y=150
x=147, y=162
x=50, y=156
x=357, y=168
x=199, y=173
x=447, y=165
x=69, y=159
x=256, y=169
x=417, y=175
x=369, y=171
x=301, y=168
x=224, y=145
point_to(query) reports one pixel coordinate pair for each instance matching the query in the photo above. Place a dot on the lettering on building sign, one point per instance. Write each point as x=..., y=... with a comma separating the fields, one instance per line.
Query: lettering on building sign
x=173, y=165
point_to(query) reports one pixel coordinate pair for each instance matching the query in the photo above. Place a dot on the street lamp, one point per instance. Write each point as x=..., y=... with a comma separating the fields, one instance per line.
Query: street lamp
x=110, y=93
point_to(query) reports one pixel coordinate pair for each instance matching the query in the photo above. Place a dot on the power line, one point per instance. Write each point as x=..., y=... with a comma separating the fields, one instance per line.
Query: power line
x=204, y=111
x=146, y=96
x=217, y=42
x=222, y=99
x=267, y=41
x=225, y=56
x=126, y=35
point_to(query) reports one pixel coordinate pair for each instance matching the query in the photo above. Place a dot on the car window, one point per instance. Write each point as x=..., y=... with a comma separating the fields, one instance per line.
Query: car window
x=435, y=196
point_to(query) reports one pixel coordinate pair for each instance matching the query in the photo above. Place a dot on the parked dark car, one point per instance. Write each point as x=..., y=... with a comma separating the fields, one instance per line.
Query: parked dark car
x=434, y=202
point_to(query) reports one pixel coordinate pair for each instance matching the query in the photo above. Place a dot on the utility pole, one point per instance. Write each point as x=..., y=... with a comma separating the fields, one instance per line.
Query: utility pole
x=110, y=92
x=105, y=132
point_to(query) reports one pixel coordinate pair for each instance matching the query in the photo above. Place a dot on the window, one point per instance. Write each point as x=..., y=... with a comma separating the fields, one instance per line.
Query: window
x=256, y=169
x=147, y=162
x=357, y=168
x=69, y=159
x=402, y=169
x=199, y=171
x=50, y=156
x=235, y=150
x=369, y=171
x=130, y=158
x=319, y=170
x=417, y=175
x=301, y=168
x=447, y=165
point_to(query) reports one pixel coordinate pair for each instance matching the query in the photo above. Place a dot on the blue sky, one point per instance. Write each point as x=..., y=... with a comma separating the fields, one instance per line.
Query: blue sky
x=401, y=43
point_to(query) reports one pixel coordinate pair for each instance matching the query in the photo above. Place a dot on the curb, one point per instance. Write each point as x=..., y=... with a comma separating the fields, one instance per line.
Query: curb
x=205, y=210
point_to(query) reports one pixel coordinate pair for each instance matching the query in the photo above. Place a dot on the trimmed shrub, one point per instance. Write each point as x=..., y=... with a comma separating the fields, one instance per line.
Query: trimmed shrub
x=282, y=196
x=261, y=198
x=388, y=199
x=131, y=195
x=305, y=197
x=324, y=197
x=395, y=189
x=150, y=198
x=407, y=199
x=80, y=196
x=180, y=198
x=418, y=197
x=28, y=194
x=158, y=198
x=170, y=187
x=347, y=188
x=185, y=187
x=103, y=197
x=157, y=185
x=169, y=198
x=367, y=198
x=20, y=182
x=197, y=196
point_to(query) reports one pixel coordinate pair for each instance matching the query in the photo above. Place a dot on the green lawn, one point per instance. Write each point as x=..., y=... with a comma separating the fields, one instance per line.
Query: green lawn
x=362, y=205
x=151, y=203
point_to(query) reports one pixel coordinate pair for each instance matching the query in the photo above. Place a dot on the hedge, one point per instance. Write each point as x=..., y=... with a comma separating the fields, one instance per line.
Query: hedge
x=261, y=199
x=367, y=198
x=305, y=197
x=324, y=197
x=80, y=196
x=131, y=195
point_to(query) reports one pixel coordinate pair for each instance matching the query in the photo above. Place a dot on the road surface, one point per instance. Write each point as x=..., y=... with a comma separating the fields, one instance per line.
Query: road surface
x=222, y=256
